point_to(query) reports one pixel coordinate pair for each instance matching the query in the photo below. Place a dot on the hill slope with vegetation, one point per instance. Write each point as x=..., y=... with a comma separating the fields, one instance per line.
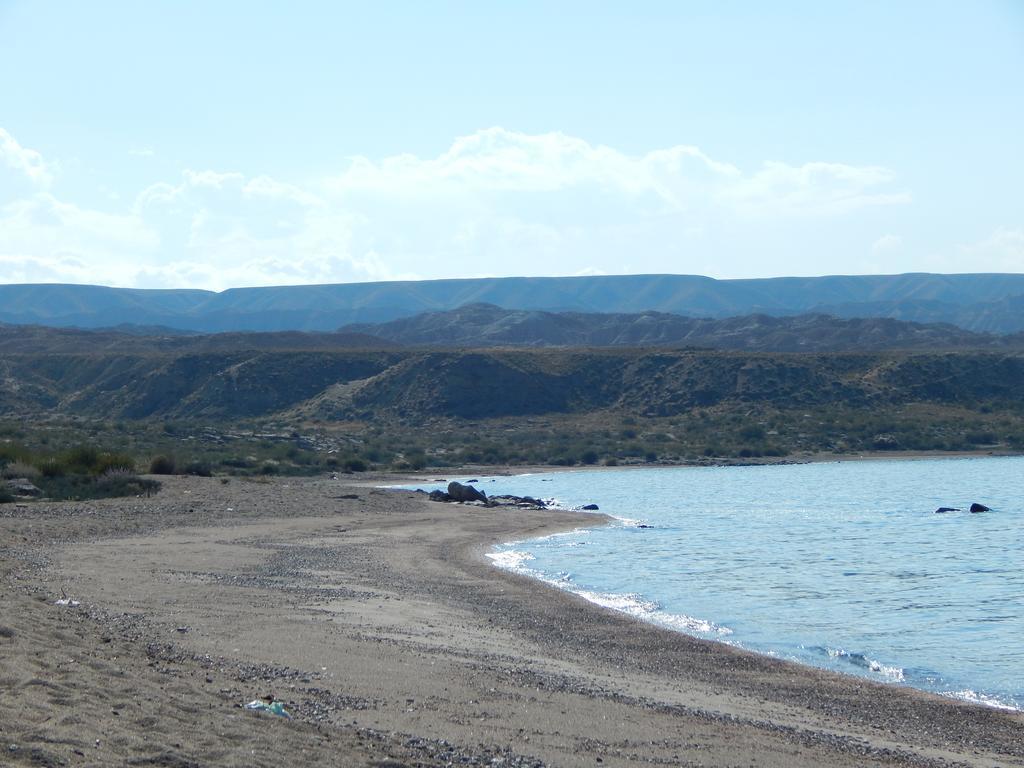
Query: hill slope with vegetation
x=486, y=325
x=255, y=402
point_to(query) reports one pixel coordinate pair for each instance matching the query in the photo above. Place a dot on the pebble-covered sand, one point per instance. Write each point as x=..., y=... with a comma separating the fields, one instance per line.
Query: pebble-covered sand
x=374, y=618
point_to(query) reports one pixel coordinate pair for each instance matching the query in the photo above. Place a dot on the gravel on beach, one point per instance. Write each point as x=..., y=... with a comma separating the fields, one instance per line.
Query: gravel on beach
x=376, y=621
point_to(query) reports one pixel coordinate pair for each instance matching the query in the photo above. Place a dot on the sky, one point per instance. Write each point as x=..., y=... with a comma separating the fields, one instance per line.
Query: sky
x=217, y=145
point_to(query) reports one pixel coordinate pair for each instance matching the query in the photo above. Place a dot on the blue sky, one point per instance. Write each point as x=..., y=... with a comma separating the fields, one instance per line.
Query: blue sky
x=213, y=145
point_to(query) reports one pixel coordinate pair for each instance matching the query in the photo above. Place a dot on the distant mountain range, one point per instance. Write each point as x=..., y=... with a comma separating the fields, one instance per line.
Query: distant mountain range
x=989, y=303
x=485, y=325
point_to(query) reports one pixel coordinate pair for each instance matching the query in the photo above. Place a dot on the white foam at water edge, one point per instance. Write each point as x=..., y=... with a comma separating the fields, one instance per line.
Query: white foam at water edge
x=649, y=611
x=556, y=535
x=511, y=560
x=974, y=697
x=634, y=605
x=891, y=673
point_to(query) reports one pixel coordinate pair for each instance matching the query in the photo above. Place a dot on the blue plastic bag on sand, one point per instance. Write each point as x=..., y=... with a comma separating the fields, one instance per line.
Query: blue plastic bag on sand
x=274, y=707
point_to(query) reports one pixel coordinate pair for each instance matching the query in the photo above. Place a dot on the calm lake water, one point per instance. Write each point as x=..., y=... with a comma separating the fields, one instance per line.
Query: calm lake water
x=844, y=565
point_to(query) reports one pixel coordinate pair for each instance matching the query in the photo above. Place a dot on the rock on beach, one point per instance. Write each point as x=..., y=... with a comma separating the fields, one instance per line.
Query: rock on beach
x=459, y=492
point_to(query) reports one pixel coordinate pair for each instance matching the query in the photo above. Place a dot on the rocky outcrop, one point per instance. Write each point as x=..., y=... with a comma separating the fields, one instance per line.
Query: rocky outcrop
x=22, y=487
x=976, y=507
x=459, y=492
x=941, y=510
x=508, y=500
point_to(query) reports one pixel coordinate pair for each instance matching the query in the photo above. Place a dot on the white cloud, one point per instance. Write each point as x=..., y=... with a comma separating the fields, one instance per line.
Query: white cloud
x=778, y=189
x=494, y=203
x=25, y=161
x=46, y=225
x=679, y=178
x=1002, y=251
x=887, y=243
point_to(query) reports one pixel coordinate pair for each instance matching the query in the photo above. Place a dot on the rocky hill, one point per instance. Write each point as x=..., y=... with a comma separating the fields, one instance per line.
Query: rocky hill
x=980, y=302
x=38, y=339
x=418, y=385
x=486, y=325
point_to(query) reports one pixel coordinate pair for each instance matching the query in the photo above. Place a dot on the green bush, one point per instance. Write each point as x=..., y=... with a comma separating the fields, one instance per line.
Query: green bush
x=20, y=469
x=107, y=461
x=51, y=467
x=415, y=460
x=236, y=462
x=752, y=432
x=199, y=468
x=162, y=465
x=80, y=460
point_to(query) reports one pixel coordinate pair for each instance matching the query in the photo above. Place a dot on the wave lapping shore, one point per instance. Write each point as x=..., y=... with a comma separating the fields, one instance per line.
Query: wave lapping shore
x=376, y=620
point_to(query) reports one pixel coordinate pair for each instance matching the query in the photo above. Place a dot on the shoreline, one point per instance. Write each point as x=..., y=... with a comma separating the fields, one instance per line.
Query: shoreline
x=982, y=699
x=376, y=617
x=489, y=556
x=985, y=700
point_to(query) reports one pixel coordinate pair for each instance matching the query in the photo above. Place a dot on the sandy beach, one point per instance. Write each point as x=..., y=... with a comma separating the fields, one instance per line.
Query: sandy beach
x=376, y=619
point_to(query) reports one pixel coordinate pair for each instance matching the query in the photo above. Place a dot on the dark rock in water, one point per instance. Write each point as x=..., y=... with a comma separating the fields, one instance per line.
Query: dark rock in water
x=460, y=492
x=590, y=507
x=474, y=480
x=439, y=496
x=976, y=507
x=644, y=525
x=940, y=510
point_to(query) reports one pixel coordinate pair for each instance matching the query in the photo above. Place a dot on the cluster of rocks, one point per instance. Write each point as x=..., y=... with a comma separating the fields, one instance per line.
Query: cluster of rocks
x=21, y=486
x=975, y=507
x=467, y=494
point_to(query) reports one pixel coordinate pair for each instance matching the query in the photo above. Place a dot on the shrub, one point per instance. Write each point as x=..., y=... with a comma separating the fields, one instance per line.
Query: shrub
x=6, y=497
x=52, y=467
x=162, y=465
x=415, y=460
x=355, y=465
x=116, y=474
x=237, y=462
x=21, y=469
x=199, y=468
x=108, y=461
x=80, y=460
x=752, y=432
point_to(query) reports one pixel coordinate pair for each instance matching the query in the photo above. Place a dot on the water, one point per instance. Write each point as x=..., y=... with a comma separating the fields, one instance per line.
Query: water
x=844, y=565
